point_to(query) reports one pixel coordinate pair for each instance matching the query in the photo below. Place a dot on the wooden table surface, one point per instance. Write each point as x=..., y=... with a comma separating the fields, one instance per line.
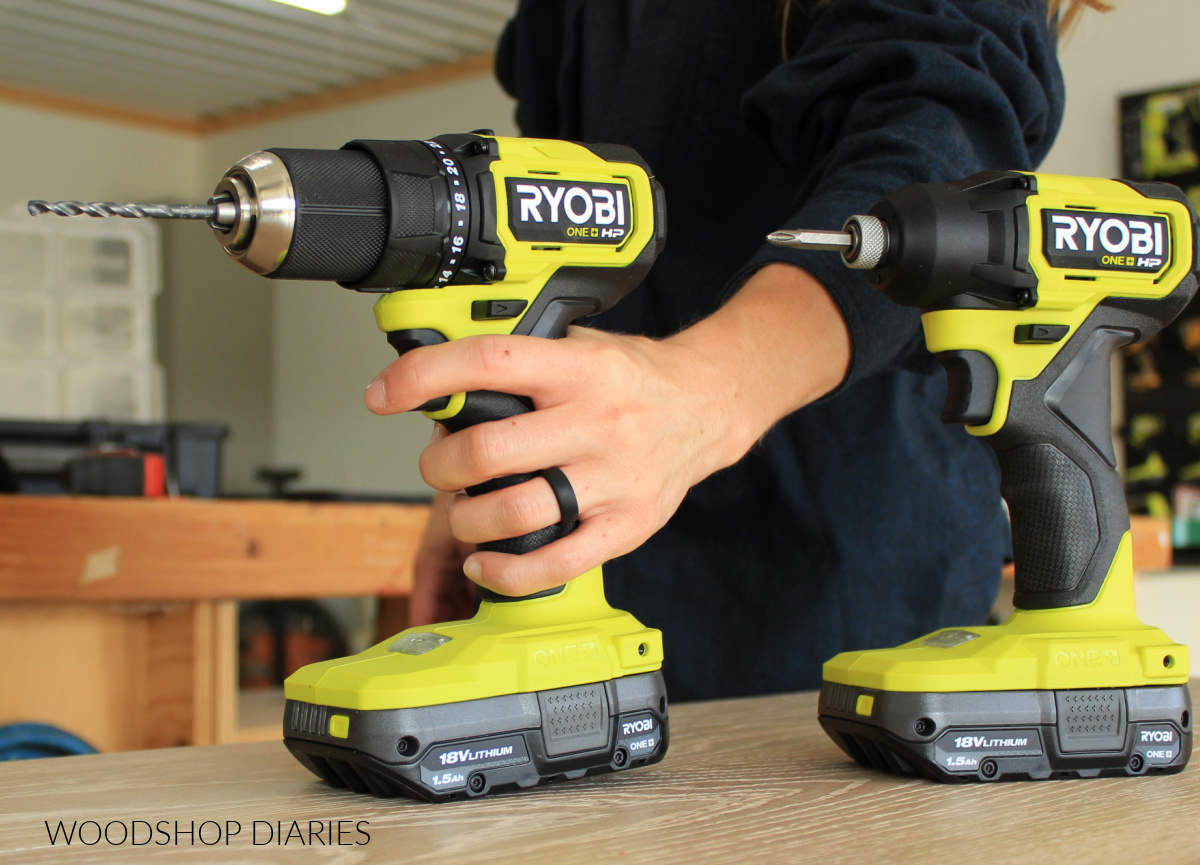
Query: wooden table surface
x=751, y=780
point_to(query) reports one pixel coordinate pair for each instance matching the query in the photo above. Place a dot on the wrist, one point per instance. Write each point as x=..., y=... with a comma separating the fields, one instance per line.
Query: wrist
x=778, y=345
x=712, y=389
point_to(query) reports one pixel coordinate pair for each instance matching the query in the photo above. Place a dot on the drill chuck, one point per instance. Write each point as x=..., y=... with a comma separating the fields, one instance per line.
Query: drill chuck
x=373, y=216
x=259, y=194
x=870, y=242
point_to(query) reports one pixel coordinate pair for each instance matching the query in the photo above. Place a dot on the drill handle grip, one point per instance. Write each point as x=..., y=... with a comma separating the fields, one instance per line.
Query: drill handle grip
x=482, y=406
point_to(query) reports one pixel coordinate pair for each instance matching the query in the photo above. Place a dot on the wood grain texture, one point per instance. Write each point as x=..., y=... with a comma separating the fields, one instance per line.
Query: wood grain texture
x=95, y=654
x=190, y=549
x=745, y=781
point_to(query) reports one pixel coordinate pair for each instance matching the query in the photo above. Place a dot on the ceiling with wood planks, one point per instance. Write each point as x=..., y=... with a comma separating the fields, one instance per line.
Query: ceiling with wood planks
x=197, y=62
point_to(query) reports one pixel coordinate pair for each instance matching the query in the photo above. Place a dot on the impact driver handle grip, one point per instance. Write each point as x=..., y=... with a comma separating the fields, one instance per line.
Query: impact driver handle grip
x=1059, y=476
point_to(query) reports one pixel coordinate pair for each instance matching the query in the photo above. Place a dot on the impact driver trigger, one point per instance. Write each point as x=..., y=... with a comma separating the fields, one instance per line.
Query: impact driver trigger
x=972, y=382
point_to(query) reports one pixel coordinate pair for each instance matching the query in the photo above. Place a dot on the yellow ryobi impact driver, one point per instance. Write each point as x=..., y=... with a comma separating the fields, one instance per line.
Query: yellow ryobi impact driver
x=462, y=234
x=1026, y=284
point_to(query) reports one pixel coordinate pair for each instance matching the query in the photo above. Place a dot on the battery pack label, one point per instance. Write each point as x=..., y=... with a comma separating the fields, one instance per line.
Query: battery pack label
x=447, y=767
x=1158, y=744
x=638, y=734
x=542, y=210
x=963, y=750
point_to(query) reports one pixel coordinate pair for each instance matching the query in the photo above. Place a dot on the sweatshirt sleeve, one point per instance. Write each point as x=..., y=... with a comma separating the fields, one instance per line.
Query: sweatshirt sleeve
x=883, y=93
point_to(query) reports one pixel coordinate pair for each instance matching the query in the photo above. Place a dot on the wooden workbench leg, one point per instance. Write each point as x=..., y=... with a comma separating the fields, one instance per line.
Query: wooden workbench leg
x=191, y=675
x=225, y=672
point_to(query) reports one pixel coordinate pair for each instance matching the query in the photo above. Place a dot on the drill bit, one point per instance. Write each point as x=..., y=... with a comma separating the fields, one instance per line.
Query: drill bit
x=805, y=238
x=863, y=241
x=218, y=214
x=129, y=211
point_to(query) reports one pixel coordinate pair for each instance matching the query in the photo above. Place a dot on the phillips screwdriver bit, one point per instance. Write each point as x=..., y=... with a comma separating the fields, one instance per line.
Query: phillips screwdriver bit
x=863, y=241
x=804, y=238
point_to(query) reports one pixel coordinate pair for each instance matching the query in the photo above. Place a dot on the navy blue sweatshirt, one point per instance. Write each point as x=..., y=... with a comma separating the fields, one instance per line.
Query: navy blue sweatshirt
x=860, y=521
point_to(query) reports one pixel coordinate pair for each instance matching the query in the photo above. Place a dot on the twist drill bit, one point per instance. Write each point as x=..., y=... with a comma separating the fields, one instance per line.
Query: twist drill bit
x=128, y=211
x=217, y=214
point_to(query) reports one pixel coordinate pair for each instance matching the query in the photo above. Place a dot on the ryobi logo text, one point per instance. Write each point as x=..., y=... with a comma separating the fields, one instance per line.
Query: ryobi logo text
x=1158, y=736
x=1088, y=240
x=566, y=211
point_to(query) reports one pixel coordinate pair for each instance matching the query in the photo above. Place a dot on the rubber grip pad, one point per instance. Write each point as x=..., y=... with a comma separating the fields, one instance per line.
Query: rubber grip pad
x=1055, y=525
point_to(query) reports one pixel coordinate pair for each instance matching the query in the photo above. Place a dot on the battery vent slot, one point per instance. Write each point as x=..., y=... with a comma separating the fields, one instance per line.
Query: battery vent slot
x=309, y=718
x=838, y=697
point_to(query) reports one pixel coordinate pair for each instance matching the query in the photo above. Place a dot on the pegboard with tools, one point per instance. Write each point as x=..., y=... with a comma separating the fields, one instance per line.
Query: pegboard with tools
x=1162, y=430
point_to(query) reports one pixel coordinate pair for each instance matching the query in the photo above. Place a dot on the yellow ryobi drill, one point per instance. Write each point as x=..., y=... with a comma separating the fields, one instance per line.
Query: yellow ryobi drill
x=1026, y=284
x=463, y=234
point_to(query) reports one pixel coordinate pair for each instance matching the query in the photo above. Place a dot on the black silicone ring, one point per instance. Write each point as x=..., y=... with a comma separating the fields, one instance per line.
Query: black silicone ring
x=564, y=494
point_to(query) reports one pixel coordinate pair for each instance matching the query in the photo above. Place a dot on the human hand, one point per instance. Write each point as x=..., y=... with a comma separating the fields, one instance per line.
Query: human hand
x=633, y=423
x=440, y=594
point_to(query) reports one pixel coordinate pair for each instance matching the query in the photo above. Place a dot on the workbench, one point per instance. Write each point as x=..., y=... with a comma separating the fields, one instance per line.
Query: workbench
x=118, y=616
x=753, y=780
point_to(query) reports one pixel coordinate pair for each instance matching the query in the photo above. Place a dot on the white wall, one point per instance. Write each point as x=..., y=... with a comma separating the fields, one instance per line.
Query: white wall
x=326, y=348
x=1141, y=45
x=58, y=156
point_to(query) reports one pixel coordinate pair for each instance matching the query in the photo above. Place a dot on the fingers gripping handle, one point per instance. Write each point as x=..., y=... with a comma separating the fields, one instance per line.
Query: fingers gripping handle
x=1058, y=475
x=482, y=406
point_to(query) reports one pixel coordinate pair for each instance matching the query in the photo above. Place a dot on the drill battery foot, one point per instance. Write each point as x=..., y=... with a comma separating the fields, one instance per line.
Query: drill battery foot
x=529, y=691
x=470, y=749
